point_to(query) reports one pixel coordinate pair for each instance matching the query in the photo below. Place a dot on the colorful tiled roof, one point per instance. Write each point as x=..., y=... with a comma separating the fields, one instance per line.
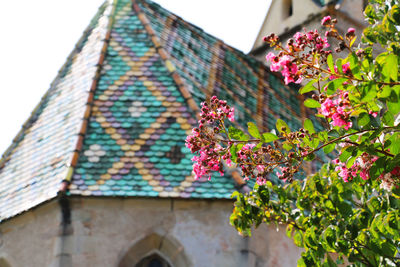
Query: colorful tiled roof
x=37, y=161
x=115, y=119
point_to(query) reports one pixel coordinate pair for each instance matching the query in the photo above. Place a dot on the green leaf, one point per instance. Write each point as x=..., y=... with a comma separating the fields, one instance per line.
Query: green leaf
x=388, y=119
x=385, y=92
x=301, y=263
x=391, y=66
x=374, y=204
x=253, y=130
x=233, y=151
x=308, y=87
x=393, y=104
x=363, y=119
x=388, y=63
x=269, y=137
x=339, y=65
x=352, y=41
x=329, y=60
x=298, y=239
x=334, y=85
x=370, y=12
x=395, y=144
x=329, y=148
x=237, y=134
x=394, y=14
x=350, y=162
x=344, y=208
x=289, y=230
x=282, y=126
x=311, y=103
x=308, y=125
x=329, y=262
x=345, y=154
x=354, y=65
x=263, y=193
x=329, y=235
x=287, y=146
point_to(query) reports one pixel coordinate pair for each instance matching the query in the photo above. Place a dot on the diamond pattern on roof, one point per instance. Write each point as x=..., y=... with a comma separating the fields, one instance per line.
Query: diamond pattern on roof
x=115, y=119
x=134, y=145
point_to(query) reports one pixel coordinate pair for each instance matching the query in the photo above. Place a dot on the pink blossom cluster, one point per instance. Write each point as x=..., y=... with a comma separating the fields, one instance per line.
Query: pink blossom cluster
x=289, y=69
x=310, y=39
x=345, y=69
x=284, y=171
x=361, y=166
x=301, y=48
x=218, y=110
x=388, y=180
x=203, y=139
x=338, y=109
x=245, y=155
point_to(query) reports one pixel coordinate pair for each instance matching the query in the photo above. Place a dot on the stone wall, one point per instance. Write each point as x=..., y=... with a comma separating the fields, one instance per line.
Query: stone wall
x=120, y=232
x=29, y=239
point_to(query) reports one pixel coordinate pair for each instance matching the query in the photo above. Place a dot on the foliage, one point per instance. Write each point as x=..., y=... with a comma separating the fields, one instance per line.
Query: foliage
x=349, y=210
x=327, y=215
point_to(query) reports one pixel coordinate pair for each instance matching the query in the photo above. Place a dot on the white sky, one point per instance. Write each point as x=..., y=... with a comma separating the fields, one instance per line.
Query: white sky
x=37, y=36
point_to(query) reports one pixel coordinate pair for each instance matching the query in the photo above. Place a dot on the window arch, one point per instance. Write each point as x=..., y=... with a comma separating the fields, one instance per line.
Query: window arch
x=159, y=250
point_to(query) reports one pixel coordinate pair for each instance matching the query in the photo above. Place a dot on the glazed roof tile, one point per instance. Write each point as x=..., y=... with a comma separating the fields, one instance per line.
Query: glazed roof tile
x=115, y=119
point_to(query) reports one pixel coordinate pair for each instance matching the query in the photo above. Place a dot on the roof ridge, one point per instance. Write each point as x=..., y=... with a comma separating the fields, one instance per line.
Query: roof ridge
x=89, y=102
x=166, y=59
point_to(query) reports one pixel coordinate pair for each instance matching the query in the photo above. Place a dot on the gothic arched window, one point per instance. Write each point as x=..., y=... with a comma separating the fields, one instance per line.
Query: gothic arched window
x=153, y=261
x=287, y=8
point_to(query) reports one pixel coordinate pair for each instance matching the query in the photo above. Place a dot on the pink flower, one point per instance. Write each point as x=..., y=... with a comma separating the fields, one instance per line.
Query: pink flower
x=248, y=146
x=339, y=121
x=374, y=114
x=326, y=20
x=346, y=68
x=396, y=171
x=260, y=168
x=351, y=30
x=261, y=180
x=326, y=107
x=275, y=62
x=364, y=174
x=231, y=114
x=270, y=56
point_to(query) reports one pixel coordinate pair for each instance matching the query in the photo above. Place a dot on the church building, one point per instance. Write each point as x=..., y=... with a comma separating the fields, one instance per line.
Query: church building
x=99, y=174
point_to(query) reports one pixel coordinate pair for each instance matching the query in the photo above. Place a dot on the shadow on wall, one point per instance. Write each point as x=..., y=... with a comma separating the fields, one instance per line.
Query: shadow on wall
x=4, y=263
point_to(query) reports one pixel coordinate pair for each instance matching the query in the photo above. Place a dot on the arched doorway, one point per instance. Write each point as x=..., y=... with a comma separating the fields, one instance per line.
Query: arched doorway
x=155, y=251
x=153, y=260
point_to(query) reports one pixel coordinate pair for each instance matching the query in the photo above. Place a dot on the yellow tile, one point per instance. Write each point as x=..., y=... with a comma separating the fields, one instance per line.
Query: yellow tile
x=118, y=165
x=105, y=176
x=170, y=66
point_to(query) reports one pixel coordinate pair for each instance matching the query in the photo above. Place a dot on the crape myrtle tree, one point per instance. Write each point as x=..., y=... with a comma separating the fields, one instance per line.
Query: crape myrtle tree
x=348, y=211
